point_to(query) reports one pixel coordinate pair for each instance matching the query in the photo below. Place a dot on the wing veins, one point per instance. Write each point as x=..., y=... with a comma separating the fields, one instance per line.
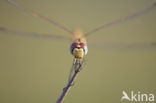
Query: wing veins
x=122, y=20
x=39, y=16
x=33, y=34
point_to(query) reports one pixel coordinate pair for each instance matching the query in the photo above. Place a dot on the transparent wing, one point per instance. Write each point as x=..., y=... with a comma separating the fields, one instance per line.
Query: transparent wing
x=33, y=34
x=122, y=45
x=39, y=16
x=124, y=19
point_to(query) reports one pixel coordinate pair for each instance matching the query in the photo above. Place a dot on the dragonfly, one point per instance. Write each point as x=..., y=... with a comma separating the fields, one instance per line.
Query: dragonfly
x=78, y=47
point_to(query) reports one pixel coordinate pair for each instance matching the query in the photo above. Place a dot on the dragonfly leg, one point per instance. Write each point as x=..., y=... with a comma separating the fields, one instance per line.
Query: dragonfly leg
x=76, y=67
x=72, y=70
x=72, y=84
x=79, y=65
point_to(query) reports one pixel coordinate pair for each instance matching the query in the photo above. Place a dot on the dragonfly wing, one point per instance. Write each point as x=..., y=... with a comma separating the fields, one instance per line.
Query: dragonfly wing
x=124, y=19
x=39, y=16
x=33, y=34
x=122, y=45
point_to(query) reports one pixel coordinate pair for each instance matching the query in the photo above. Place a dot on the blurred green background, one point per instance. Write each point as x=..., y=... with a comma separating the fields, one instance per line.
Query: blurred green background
x=36, y=70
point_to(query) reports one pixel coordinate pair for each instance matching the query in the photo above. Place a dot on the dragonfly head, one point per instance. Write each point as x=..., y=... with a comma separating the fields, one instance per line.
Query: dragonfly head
x=78, y=49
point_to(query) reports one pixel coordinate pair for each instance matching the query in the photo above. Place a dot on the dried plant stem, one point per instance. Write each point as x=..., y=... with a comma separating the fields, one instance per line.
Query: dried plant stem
x=77, y=66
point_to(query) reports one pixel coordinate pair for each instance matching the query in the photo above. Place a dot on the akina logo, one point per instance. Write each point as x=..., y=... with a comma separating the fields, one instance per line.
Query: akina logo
x=137, y=97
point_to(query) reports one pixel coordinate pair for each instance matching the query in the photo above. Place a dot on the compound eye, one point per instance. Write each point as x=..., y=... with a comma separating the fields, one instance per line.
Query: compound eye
x=74, y=45
x=82, y=45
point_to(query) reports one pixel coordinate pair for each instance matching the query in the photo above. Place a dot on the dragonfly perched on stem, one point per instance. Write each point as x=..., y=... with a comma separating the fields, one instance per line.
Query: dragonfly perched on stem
x=78, y=46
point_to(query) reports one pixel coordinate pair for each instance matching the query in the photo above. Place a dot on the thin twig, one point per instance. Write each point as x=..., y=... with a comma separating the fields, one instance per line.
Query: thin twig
x=77, y=66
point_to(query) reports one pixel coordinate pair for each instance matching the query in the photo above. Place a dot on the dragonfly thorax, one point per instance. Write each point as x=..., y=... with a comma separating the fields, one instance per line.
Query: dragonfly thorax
x=78, y=49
